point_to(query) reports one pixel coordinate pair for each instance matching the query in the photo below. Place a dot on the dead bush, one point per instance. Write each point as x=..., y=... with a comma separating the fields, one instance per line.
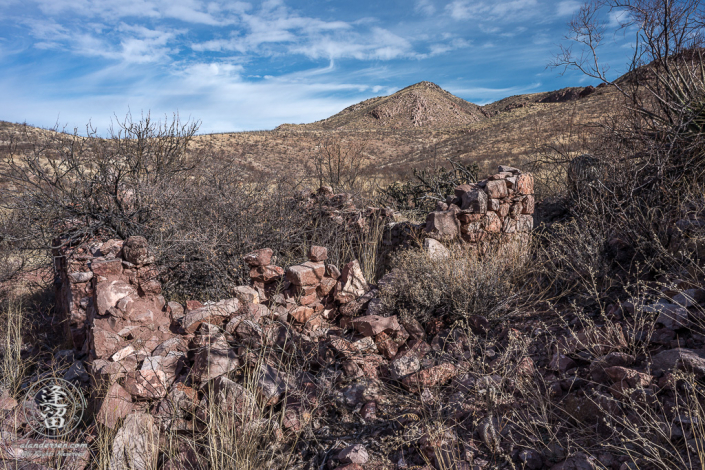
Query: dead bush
x=464, y=284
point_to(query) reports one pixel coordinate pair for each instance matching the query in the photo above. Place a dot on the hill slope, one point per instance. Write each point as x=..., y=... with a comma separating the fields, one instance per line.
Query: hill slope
x=423, y=105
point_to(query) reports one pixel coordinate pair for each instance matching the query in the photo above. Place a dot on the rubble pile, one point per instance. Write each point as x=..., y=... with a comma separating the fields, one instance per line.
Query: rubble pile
x=501, y=205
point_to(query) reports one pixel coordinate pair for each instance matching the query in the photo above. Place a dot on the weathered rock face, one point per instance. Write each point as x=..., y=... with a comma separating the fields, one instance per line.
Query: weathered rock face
x=136, y=444
x=116, y=405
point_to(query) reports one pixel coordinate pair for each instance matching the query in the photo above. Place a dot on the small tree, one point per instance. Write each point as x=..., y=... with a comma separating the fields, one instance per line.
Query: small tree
x=661, y=137
x=74, y=186
x=340, y=163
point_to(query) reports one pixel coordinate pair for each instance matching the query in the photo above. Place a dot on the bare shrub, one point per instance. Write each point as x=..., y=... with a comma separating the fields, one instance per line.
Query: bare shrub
x=340, y=163
x=419, y=195
x=465, y=284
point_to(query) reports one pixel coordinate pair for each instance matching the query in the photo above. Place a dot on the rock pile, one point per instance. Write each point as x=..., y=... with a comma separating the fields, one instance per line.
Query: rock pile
x=502, y=205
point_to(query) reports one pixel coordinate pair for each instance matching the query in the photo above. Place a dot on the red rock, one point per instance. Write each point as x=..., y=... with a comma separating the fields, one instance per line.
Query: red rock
x=429, y=377
x=134, y=446
x=135, y=250
x=525, y=367
x=414, y=328
x=369, y=410
x=146, y=383
x=469, y=218
x=354, y=454
x=403, y=366
x=496, y=189
x=214, y=360
x=116, y=405
x=326, y=286
x=107, y=267
x=306, y=274
x=372, y=325
x=525, y=184
x=105, y=343
x=529, y=204
x=525, y=223
x=108, y=293
x=386, y=345
x=308, y=299
x=213, y=314
x=474, y=201
x=268, y=273
x=317, y=253
x=351, y=283
x=442, y=225
x=462, y=189
x=631, y=377
x=503, y=211
x=111, y=248
x=492, y=223
x=193, y=305
x=302, y=314
x=233, y=399
x=561, y=363
x=270, y=385
x=246, y=293
x=261, y=257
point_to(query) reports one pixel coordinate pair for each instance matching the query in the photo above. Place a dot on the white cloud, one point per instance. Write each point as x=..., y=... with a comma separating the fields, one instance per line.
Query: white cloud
x=567, y=7
x=425, y=7
x=500, y=10
x=617, y=17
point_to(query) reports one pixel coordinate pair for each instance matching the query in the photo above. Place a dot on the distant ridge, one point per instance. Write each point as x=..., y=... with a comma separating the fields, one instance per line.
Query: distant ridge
x=423, y=105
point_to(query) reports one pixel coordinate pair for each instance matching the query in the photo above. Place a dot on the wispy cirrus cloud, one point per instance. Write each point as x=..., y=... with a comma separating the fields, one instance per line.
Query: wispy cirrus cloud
x=256, y=64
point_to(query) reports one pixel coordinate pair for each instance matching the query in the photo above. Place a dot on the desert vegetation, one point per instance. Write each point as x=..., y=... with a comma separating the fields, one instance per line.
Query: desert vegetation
x=299, y=333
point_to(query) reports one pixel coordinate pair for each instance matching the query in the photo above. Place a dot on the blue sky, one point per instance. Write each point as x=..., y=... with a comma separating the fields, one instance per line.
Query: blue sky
x=254, y=65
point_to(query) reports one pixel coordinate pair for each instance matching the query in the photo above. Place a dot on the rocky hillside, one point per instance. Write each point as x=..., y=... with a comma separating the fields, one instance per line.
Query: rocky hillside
x=423, y=105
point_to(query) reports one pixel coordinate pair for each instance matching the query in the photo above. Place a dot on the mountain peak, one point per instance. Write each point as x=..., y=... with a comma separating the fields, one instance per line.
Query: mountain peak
x=423, y=105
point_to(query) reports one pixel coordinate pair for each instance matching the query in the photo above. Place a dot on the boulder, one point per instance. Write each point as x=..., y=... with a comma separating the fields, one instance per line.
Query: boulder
x=351, y=283
x=135, y=250
x=116, y=405
x=306, y=274
x=442, y=225
x=356, y=454
x=680, y=359
x=436, y=375
x=261, y=257
x=214, y=360
x=372, y=325
x=317, y=253
x=435, y=249
x=136, y=444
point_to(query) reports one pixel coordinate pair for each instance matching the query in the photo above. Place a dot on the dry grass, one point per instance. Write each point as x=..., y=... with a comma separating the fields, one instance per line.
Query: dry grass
x=12, y=366
x=466, y=283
